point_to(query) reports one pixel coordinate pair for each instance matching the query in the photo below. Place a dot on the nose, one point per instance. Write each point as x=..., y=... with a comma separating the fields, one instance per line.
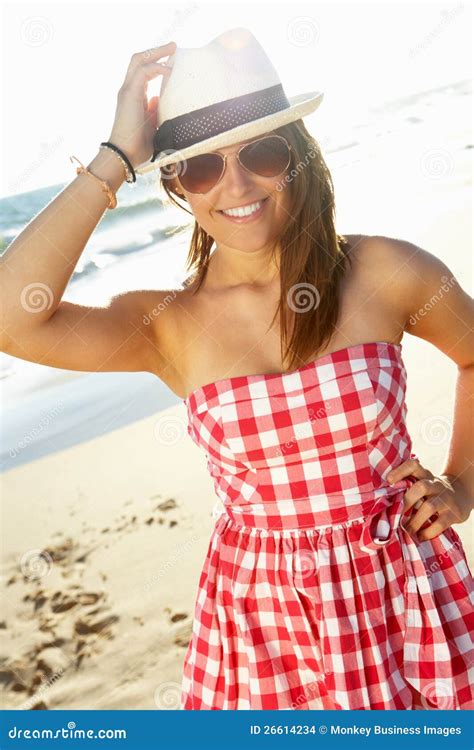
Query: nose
x=236, y=180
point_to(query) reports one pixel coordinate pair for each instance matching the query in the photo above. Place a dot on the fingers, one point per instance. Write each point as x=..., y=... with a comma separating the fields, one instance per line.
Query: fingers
x=410, y=467
x=415, y=496
x=422, y=489
x=145, y=72
x=152, y=54
x=433, y=511
x=436, y=509
x=434, y=530
x=430, y=507
x=135, y=85
x=148, y=60
x=429, y=529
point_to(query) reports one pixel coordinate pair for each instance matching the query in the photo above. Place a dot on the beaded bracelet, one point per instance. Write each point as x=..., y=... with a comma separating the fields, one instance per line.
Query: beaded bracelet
x=129, y=170
x=104, y=185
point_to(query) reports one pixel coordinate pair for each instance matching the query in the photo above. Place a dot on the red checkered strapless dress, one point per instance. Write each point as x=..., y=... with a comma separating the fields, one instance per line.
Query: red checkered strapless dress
x=313, y=595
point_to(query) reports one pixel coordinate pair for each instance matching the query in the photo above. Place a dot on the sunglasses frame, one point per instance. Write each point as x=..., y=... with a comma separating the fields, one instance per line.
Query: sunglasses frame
x=237, y=154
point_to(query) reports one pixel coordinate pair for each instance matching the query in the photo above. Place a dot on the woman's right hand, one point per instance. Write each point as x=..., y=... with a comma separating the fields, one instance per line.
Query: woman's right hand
x=135, y=117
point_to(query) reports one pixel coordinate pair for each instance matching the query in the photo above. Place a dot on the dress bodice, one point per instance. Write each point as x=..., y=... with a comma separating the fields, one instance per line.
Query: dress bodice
x=280, y=446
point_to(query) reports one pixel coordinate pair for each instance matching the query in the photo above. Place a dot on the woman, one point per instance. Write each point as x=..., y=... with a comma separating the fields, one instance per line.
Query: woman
x=313, y=593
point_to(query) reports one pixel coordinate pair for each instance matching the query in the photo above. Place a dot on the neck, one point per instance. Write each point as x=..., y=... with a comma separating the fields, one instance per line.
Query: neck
x=229, y=267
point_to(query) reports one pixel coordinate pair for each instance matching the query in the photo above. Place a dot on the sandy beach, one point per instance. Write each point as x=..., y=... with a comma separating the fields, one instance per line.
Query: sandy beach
x=101, y=553
x=103, y=542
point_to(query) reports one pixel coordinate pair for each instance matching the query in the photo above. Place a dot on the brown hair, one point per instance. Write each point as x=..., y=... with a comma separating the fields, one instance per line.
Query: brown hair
x=313, y=256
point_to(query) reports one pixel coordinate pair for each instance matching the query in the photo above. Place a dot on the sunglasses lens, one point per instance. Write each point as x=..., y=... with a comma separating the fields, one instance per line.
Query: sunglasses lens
x=200, y=173
x=267, y=157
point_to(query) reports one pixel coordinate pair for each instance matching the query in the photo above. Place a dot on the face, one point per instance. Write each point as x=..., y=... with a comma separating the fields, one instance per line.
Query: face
x=239, y=188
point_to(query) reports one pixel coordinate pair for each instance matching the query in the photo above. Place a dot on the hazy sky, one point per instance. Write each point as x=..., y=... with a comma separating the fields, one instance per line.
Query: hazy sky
x=64, y=63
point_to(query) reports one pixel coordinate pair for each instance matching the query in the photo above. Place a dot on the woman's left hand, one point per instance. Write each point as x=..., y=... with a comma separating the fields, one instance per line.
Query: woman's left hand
x=431, y=496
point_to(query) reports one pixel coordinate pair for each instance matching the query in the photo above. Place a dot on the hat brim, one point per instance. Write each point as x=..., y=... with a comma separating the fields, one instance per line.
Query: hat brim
x=300, y=106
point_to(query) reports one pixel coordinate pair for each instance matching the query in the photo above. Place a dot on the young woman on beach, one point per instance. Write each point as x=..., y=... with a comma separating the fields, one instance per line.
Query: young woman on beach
x=333, y=578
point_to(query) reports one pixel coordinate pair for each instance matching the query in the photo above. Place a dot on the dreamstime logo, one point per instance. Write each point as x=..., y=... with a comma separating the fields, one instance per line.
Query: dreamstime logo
x=47, y=150
x=36, y=30
x=447, y=17
x=169, y=429
x=435, y=566
x=302, y=31
x=36, y=564
x=305, y=563
x=303, y=297
x=35, y=431
x=436, y=163
x=285, y=447
x=162, y=306
x=167, y=696
x=295, y=171
x=446, y=285
x=177, y=168
x=440, y=693
x=170, y=562
x=312, y=691
x=435, y=430
x=46, y=684
x=36, y=297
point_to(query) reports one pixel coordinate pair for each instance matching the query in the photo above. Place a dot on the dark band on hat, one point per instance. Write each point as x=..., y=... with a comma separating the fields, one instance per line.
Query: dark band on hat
x=201, y=124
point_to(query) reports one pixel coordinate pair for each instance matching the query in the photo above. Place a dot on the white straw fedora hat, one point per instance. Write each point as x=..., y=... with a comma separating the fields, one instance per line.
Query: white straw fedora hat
x=219, y=94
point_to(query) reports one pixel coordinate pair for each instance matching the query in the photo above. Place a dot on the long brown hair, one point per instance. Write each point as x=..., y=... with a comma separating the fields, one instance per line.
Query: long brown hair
x=313, y=256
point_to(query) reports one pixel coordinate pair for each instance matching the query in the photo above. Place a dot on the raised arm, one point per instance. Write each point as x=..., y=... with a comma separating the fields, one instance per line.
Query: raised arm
x=36, y=324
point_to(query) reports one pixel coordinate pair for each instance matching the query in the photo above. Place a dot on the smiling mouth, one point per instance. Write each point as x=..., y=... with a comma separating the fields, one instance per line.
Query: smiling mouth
x=241, y=213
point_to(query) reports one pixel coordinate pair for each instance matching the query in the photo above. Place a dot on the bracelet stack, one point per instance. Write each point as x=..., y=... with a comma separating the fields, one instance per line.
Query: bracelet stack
x=129, y=171
x=104, y=185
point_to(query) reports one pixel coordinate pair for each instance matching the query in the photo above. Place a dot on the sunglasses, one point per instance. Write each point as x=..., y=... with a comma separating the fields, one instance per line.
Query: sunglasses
x=265, y=157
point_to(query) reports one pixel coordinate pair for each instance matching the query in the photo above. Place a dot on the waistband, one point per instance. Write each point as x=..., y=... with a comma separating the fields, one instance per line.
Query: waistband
x=380, y=512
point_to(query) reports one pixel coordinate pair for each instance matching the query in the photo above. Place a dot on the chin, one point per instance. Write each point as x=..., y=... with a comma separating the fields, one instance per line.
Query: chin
x=247, y=241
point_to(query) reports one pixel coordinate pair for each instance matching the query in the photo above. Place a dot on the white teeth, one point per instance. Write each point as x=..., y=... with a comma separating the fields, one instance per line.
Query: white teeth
x=244, y=211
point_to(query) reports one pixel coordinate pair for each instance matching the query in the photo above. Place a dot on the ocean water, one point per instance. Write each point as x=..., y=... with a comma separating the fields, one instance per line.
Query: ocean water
x=143, y=244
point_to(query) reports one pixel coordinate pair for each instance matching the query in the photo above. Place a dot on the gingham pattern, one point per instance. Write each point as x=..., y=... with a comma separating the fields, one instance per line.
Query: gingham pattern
x=313, y=594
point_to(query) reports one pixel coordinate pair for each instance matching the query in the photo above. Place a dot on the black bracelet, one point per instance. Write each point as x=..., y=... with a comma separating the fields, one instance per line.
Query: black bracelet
x=125, y=159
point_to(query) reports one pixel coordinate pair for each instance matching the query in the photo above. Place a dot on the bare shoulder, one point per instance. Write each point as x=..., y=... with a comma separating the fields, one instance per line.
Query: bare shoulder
x=393, y=260
x=382, y=251
x=424, y=291
x=384, y=270
x=391, y=253
x=149, y=309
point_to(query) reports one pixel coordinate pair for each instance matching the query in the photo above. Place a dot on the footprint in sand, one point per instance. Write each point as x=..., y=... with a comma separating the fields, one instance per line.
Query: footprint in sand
x=74, y=625
x=182, y=634
x=87, y=625
x=163, y=507
x=178, y=616
x=167, y=505
x=69, y=624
